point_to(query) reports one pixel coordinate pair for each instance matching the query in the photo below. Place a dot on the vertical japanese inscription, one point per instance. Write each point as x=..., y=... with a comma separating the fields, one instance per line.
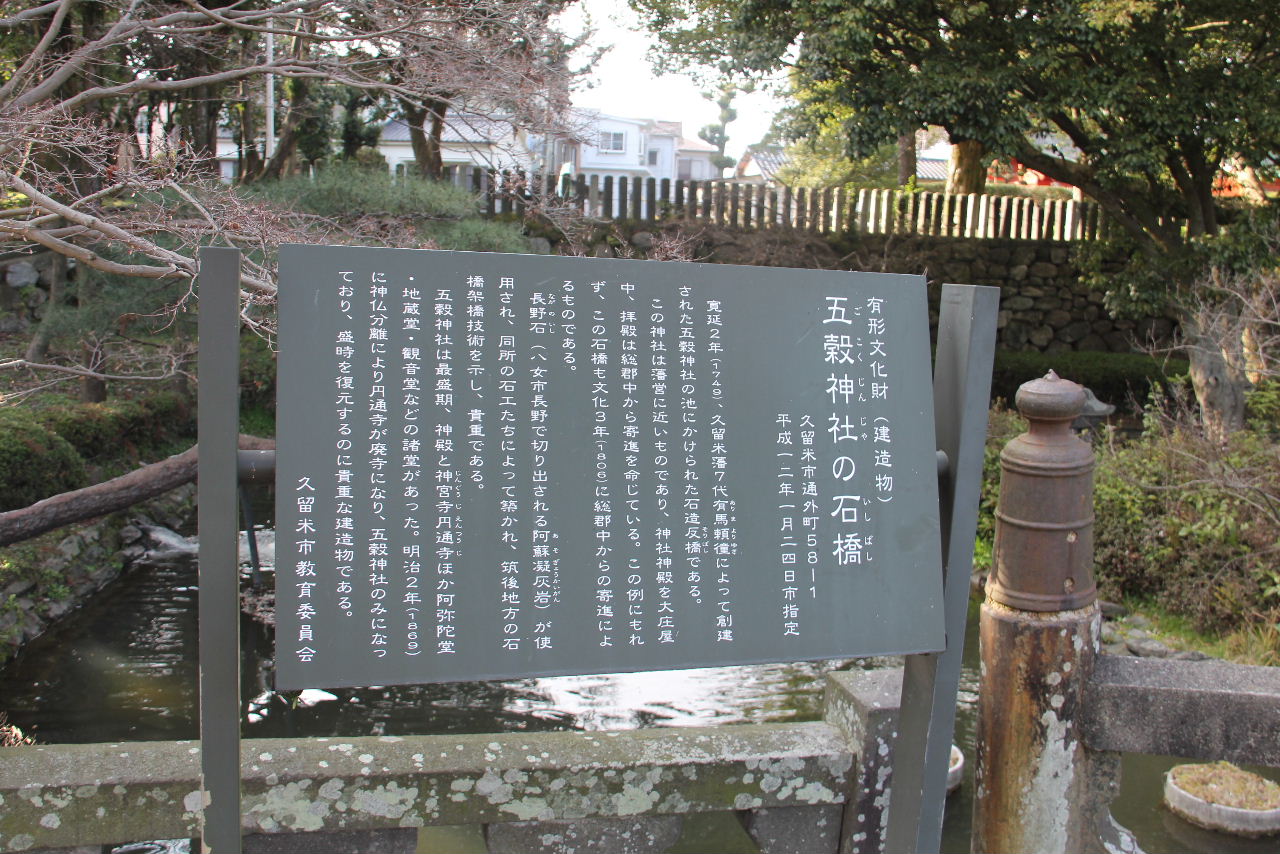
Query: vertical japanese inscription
x=505, y=465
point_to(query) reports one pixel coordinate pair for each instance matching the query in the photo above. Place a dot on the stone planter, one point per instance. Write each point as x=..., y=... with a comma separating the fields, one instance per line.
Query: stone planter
x=1228, y=819
x=955, y=771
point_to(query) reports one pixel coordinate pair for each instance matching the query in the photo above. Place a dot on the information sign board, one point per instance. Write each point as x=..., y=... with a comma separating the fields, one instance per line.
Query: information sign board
x=495, y=466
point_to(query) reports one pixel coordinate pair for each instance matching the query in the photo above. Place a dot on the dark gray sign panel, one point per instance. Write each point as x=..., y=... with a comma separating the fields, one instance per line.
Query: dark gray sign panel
x=494, y=466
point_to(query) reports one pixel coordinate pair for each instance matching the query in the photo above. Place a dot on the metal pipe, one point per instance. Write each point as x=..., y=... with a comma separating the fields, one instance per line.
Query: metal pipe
x=256, y=466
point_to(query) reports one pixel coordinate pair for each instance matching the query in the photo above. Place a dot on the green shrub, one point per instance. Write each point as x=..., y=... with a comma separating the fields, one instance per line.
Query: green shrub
x=35, y=462
x=257, y=373
x=100, y=431
x=89, y=427
x=1123, y=379
x=436, y=212
x=1263, y=406
x=1002, y=425
x=1190, y=524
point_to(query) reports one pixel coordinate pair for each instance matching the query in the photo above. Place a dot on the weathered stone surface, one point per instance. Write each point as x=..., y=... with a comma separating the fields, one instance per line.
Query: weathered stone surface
x=1033, y=784
x=1111, y=610
x=864, y=706
x=21, y=274
x=539, y=246
x=1015, y=334
x=1040, y=336
x=1198, y=709
x=643, y=240
x=1147, y=647
x=101, y=793
x=1018, y=303
x=794, y=830
x=394, y=841
x=1073, y=331
x=1023, y=254
x=1191, y=655
x=1058, y=318
x=1043, y=270
x=645, y=835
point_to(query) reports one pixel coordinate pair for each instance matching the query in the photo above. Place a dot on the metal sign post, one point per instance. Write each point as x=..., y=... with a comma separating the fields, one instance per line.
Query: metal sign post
x=962, y=391
x=219, y=629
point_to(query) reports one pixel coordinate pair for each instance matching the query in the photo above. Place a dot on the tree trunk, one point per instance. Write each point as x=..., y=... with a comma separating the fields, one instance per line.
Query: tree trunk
x=1219, y=381
x=906, y=159
x=283, y=159
x=103, y=498
x=201, y=127
x=38, y=347
x=1251, y=189
x=92, y=389
x=249, y=159
x=426, y=142
x=967, y=171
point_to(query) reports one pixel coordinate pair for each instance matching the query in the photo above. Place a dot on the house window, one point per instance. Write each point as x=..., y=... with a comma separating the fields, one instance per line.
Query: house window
x=613, y=141
x=653, y=157
x=685, y=169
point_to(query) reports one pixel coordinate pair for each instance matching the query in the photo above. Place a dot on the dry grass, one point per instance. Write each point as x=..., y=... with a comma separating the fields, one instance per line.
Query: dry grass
x=11, y=736
x=1226, y=785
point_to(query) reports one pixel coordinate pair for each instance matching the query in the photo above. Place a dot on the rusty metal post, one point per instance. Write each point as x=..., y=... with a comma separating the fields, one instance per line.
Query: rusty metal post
x=1037, y=789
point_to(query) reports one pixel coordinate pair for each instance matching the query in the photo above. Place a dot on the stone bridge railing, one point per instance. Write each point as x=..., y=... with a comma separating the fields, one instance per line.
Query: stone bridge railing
x=1054, y=718
x=795, y=787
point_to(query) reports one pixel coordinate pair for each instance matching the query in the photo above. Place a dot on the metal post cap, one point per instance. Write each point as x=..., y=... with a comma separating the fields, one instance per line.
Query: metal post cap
x=1050, y=398
x=1044, y=521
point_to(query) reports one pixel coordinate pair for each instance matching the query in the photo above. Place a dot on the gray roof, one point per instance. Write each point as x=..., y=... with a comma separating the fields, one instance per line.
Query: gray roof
x=770, y=159
x=929, y=169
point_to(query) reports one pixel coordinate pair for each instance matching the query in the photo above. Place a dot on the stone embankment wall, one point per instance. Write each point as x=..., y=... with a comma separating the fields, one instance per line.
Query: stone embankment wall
x=24, y=290
x=85, y=560
x=1043, y=306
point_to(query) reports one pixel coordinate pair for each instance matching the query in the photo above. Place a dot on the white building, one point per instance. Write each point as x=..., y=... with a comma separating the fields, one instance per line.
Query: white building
x=468, y=140
x=602, y=145
x=630, y=147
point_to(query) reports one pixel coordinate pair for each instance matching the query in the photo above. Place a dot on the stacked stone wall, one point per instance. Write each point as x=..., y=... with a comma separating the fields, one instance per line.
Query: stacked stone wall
x=1044, y=304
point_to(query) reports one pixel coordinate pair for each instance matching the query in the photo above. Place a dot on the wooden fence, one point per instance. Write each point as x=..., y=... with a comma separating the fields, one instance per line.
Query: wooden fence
x=825, y=211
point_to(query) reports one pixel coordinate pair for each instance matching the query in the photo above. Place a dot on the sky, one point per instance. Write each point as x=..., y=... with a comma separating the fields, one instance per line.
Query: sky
x=623, y=83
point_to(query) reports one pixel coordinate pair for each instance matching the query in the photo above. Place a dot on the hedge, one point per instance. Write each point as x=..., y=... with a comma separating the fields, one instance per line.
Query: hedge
x=43, y=452
x=35, y=462
x=1123, y=379
x=103, y=430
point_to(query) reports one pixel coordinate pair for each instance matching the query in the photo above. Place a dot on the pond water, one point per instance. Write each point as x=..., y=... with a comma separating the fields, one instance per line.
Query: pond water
x=124, y=668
